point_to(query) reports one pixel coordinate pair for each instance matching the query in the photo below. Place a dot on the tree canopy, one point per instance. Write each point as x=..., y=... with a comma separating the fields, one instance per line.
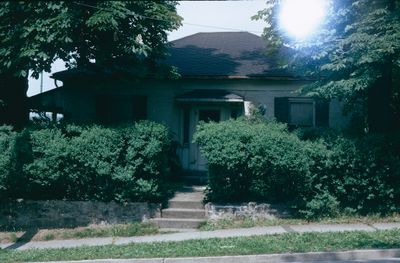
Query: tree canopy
x=35, y=33
x=355, y=56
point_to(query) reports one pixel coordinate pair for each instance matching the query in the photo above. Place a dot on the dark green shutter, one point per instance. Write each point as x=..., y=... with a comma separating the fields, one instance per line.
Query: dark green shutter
x=282, y=109
x=322, y=113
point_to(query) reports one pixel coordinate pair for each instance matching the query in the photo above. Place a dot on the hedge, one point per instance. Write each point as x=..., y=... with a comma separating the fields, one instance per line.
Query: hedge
x=258, y=160
x=131, y=163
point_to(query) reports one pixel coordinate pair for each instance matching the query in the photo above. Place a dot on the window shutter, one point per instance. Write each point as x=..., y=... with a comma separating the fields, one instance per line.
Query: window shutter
x=282, y=109
x=322, y=113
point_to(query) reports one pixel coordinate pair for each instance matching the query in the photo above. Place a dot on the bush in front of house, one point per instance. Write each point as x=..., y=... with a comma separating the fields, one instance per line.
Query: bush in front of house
x=131, y=163
x=362, y=176
x=254, y=160
x=323, y=173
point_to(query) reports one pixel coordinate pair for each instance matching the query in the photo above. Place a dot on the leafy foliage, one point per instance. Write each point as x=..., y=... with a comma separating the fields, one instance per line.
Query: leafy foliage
x=355, y=56
x=16, y=151
x=130, y=163
x=34, y=33
x=326, y=174
x=253, y=160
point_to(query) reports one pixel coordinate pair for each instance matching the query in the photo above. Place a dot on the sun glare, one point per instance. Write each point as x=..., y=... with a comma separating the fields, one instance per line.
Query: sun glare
x=301, y=18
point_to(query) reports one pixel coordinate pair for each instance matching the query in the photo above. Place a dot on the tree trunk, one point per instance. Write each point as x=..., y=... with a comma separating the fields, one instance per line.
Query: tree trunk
x=13, y=100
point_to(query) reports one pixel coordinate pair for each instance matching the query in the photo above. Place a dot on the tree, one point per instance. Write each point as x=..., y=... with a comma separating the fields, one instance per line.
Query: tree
x=355, y=57
x=35, y=33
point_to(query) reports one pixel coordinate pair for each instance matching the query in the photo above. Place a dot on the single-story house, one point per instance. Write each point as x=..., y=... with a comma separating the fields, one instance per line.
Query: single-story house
x=223, y=75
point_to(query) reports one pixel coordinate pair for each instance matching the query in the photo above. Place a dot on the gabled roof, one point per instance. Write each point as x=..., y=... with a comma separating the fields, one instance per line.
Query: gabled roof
x=234, y=54
x=208, y=55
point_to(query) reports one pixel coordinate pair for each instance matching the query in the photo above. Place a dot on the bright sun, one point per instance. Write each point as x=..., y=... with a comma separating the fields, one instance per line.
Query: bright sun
x=300, y=18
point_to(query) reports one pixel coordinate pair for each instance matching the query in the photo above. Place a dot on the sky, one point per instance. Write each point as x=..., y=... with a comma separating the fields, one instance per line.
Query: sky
x=198, y=16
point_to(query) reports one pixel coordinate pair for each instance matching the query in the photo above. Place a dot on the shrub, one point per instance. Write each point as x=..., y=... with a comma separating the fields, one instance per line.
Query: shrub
x=98, y=163
x=7, y=158
x=361, y=175
x=365, y=174
x=251, y=160
x=15, y=151
x=322, y=174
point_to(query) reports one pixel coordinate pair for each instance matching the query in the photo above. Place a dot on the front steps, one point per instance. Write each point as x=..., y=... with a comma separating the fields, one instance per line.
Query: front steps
x=185, y=210
x=183, y=213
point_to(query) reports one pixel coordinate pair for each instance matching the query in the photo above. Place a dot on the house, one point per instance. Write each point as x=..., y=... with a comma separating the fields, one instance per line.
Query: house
x=223, y=75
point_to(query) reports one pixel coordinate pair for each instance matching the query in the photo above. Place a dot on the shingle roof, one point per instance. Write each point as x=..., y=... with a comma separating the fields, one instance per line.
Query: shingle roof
x=216, y=54
x=224, y=54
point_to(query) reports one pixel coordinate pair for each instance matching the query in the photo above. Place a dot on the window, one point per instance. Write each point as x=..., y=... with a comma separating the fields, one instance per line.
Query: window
x=302, y=111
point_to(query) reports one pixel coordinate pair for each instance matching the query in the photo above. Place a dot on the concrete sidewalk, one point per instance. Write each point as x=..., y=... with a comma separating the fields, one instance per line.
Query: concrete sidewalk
x=241, y=232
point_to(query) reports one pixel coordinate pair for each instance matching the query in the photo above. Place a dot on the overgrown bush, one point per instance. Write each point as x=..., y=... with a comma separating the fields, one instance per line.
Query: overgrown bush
x=251, y=160
x=130, y=163
x=320, y=172
x=362, y=174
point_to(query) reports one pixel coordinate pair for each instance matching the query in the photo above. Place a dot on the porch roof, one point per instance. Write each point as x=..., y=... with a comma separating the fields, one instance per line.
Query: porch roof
x=209, y=96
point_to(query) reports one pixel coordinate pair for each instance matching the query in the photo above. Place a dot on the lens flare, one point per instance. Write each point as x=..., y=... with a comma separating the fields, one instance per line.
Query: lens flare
x=301, y=18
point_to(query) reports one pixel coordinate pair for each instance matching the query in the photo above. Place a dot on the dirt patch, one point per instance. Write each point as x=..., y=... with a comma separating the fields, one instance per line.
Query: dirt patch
x=133, y=229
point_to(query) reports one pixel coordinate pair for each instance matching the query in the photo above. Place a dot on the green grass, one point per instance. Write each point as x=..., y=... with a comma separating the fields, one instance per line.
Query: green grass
x=291, y=242
x=128, y=230
x=229, y=223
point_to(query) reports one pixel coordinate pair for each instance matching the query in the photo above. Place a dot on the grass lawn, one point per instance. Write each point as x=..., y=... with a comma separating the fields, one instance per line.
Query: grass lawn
x=228, y=222
x=291, y=242
x=119, y=230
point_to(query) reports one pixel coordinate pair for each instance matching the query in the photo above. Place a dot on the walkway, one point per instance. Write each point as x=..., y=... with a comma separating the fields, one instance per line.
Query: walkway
x=242, y=232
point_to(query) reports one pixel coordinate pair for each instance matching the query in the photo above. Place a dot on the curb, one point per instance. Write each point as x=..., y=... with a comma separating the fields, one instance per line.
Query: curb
x=266, y=258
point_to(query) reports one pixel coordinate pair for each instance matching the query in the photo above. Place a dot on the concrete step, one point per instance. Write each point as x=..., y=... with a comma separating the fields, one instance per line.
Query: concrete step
x=185, y=204
x=192, y=196
x=177, y=222
x=192, y=189
x=183, y=213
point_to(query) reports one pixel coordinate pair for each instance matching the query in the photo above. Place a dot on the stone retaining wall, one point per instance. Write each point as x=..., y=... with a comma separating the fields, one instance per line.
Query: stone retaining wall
x=251, y=209
x=56, y=213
